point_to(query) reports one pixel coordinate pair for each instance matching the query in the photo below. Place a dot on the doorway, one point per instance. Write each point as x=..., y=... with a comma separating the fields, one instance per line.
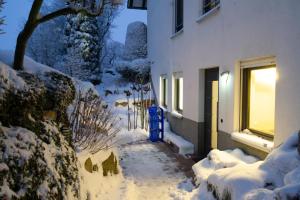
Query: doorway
x=211, y=108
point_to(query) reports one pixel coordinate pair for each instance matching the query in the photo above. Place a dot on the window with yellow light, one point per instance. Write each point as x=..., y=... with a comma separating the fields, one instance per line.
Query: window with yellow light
x=259, y=99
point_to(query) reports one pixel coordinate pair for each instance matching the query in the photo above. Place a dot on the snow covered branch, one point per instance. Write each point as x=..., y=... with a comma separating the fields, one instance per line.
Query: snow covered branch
x=34, y=19
x=1, y=18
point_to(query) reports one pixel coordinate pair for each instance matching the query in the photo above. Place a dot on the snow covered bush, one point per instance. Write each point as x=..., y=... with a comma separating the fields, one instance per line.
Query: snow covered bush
x=134, y=71
x=37, y=160
x=36, y=168
x=26, y=107
x=82, y=48
x=232, y=175
x=136, y=41
x=93, y=123
x=111, y=52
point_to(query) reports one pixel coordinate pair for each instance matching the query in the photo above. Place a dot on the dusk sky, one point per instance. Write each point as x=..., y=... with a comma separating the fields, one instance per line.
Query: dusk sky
x=16, y=12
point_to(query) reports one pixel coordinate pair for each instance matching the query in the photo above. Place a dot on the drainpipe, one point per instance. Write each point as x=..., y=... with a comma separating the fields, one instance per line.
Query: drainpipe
x=299, y=142
x=154, y=93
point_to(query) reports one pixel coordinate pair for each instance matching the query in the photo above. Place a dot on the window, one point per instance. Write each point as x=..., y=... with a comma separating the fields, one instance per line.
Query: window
x=208, y=5
x=178, y=15
x=178, y=94
x=163, y=91
x=137, y=4
x=259, y=100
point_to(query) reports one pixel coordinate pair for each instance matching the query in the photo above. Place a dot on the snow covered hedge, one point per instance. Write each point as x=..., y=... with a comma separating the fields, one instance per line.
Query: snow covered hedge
x=33, y=167
x=37, y=159
x=132, y=70
x=232, y=175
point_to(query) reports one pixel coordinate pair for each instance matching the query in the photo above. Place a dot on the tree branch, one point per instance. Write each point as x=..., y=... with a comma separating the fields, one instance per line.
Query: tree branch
x=74, y=10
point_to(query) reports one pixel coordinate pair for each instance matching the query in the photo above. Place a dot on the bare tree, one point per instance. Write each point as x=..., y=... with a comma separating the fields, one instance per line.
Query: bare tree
x=93, y=123
x=35, y=19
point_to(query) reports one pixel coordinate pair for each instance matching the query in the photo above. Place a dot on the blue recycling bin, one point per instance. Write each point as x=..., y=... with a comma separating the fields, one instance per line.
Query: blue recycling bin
x=156, y=123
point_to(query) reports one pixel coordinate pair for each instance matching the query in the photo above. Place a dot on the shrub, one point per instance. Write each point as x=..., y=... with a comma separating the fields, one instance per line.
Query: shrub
x=93, y=124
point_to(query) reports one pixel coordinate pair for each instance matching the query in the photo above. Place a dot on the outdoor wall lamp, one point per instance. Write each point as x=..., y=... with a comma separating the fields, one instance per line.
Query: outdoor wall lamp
x=225, y=75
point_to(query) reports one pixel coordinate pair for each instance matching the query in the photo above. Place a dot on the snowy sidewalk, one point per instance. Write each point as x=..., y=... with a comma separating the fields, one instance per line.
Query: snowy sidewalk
x=150, y=171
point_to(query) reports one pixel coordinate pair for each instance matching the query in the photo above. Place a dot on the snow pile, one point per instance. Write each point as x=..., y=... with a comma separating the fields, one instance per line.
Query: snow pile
x=33, y=67
x=183, y=145
x=136, y=41
x=232, y=175
x=9, y=79
x=36, y=168
x=253, y=140
x=30, y=65
x=216, y=160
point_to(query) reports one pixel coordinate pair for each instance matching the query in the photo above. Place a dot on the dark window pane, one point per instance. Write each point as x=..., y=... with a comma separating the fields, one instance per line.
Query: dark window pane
x=179, y=15
x=209, y=5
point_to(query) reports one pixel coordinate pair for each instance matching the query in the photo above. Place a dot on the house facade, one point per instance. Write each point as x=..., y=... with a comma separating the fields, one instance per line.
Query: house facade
x=227, y=71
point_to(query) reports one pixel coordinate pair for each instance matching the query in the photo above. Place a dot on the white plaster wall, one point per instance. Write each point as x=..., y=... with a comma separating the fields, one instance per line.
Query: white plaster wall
x=240, y=29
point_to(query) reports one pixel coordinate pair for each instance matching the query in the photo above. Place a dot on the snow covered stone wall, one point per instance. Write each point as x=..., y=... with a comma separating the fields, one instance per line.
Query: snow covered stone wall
x=136, y=41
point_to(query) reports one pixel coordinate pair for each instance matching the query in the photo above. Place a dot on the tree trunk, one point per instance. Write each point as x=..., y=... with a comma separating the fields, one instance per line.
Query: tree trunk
x=20, y=49
x=25, y=34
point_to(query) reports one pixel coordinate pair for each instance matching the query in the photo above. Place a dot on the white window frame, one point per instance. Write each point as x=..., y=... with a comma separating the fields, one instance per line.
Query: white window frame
x=164, y=89
x=177, y=105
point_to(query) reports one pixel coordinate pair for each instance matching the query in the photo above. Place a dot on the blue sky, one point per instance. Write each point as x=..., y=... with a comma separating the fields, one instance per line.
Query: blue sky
x=16, y=11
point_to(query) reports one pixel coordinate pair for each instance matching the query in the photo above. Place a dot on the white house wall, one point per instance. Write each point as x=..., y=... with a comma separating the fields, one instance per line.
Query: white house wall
x=240, y=29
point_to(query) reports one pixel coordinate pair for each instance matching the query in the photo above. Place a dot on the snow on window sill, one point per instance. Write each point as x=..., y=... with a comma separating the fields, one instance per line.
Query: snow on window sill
x=177, y=33
x=253, y=141
x=176, y=114
x=212, y=11
x=165, y=109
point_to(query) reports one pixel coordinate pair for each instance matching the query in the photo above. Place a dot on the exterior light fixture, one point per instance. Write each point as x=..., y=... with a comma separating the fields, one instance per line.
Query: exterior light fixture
x=225, y=75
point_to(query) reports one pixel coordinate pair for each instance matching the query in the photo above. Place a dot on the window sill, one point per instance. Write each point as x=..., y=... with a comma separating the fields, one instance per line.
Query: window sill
x=211, y=12
x=176, y=114
x=165, y=109
x=253, y=141
x=176, y=34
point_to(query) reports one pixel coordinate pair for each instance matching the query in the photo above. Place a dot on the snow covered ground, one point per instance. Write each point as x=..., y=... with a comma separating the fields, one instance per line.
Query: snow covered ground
x=146, y=170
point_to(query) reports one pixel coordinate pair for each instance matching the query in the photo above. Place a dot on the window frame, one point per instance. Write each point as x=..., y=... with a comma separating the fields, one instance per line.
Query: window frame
x=178, y=27
x=206, y=7
x=245, y=109
x=164, y=91
x=176, y=96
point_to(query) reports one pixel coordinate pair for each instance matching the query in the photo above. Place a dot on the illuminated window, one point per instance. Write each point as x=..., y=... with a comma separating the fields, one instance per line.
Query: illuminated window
x=208, y=5
x=259, y=100
x=178, y=15
x=163, y=91
x=178, y=94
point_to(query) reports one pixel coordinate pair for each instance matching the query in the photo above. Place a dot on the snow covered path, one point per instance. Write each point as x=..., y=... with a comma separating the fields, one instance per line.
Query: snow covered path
x=149, y=172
